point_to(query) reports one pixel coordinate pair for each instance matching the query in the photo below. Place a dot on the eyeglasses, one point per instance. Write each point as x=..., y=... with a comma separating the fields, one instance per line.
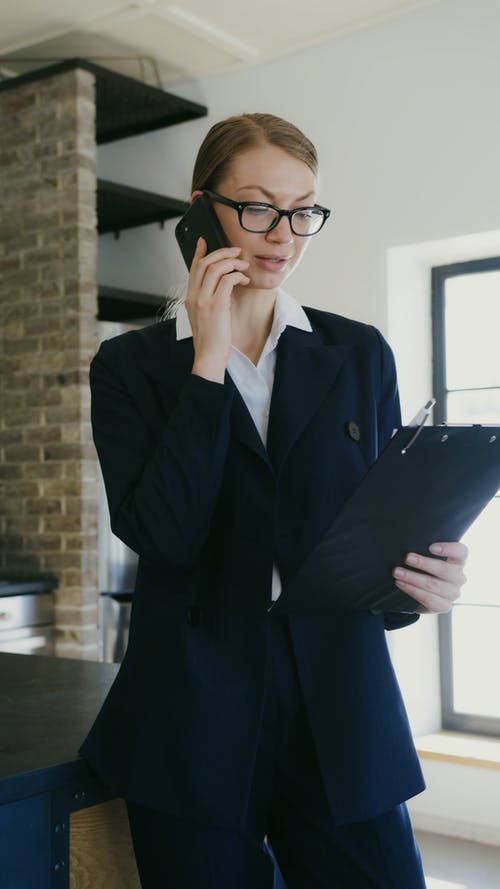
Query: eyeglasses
x=259, y=217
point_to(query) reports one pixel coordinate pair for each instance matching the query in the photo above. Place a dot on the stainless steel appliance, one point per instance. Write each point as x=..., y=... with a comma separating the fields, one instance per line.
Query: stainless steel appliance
x=115, y=619
x=117, y=571
x=117, y=563
x=27, y=615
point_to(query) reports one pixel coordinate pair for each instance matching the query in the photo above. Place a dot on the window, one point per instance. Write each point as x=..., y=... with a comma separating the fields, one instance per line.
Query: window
x=466, y=345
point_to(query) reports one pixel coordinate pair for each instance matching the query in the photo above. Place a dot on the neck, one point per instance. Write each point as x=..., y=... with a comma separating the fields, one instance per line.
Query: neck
x=252, y=314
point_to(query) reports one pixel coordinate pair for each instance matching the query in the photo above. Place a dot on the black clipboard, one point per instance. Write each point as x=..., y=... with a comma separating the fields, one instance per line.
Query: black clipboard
x=429, y=484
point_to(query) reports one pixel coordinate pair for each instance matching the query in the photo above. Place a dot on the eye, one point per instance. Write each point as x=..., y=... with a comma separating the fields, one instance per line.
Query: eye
x=306, y=214
x=258, y=210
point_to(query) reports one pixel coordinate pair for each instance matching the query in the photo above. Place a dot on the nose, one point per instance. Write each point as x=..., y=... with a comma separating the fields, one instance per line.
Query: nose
x=282, y=233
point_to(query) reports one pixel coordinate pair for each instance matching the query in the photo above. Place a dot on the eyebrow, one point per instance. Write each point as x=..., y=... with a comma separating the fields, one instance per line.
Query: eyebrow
x=269, y=194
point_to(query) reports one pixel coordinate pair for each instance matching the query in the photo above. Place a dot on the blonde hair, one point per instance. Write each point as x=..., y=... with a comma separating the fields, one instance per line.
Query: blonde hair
x=234, y=135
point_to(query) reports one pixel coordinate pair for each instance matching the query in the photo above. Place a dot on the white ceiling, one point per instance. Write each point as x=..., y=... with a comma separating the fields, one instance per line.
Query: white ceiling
x=184, y=40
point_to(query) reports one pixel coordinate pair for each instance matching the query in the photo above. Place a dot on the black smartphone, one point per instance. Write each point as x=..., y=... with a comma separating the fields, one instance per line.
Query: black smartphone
x=200, y=220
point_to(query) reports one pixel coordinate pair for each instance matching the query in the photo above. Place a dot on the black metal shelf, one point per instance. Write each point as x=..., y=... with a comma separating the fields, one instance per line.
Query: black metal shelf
x=118, y=304
x=120, y=206
x=124, y=106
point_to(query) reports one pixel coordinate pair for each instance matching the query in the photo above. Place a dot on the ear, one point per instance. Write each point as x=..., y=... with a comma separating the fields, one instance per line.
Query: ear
x=195, y=194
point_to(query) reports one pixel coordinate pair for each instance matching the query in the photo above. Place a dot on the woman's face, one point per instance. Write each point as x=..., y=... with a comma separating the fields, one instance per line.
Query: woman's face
x=267, y=173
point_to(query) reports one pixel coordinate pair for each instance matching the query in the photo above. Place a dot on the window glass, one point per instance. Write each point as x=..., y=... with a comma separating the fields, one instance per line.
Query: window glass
x=483, y=580
x=474, y=405
x=476, y=660
x=472, y=319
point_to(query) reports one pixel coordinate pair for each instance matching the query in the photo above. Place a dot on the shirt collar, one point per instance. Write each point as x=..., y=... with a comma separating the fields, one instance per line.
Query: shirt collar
x=286, y=312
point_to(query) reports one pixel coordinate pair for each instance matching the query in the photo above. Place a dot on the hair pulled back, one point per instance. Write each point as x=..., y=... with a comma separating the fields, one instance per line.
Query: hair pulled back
x=234, y=135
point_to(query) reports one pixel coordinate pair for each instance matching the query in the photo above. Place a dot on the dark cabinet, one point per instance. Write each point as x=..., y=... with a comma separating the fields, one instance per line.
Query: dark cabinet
x=25, y=843
x=59, y=826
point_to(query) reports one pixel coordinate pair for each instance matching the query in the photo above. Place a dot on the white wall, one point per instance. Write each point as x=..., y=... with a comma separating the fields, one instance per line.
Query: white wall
x=405, y=118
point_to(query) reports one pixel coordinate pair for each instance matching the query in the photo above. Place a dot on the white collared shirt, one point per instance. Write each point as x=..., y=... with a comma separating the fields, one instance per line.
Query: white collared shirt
x=255, y=382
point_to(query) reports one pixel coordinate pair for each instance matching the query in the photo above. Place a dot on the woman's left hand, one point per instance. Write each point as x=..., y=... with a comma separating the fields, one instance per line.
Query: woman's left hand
x=437, y=589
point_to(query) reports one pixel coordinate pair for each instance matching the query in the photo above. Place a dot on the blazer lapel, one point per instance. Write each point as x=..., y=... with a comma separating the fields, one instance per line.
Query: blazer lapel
x=243, y=426
x=306, y=368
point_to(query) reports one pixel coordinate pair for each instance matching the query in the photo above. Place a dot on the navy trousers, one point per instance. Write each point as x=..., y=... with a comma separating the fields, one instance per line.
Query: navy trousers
x=289, y=840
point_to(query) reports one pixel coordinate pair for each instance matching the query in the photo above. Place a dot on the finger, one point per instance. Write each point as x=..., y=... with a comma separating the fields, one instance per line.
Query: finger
x=201, y=247
x=424, y=583
x=206, y=279
x=199, y=253
x=219, y=295
x=202, y=259
x=208, y=274
x=450, y=571
x=437, y=587
x=432, y=598
x=217, y=270
x=205, y=259
x=222, y=253
x=229, y=281
x=454, y=551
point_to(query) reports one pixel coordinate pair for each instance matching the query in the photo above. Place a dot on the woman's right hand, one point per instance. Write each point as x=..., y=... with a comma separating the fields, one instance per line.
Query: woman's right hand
x=208, y=304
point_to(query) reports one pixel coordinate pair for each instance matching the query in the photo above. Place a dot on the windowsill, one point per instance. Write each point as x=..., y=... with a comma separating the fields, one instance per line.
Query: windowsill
x=462, y=749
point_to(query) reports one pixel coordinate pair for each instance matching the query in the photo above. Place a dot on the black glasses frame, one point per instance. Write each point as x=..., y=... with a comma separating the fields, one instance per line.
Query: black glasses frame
x=240, y=206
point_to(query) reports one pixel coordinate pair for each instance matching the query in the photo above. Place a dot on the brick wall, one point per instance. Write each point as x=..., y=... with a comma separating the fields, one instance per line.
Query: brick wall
x=48, y=333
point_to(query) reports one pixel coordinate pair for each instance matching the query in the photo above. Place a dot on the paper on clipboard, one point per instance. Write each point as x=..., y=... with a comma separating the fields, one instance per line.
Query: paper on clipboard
x=429, y=484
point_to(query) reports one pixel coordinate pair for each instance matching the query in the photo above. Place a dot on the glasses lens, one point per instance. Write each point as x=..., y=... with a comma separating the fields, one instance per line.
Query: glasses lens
x=307, y=221
x=258, y=217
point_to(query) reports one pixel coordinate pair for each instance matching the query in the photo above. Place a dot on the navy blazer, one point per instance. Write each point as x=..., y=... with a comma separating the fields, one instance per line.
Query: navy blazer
x=192, y=489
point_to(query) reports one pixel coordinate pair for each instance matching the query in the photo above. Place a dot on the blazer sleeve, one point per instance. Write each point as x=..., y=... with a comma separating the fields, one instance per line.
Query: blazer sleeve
x=389, y=418
x=388, y=407
x=161, y=488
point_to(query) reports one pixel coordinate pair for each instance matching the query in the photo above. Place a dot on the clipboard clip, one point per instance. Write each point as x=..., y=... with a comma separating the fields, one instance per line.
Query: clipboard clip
x=419, y=421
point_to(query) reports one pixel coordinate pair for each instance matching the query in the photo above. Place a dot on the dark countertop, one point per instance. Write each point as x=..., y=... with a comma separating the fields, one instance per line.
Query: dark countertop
x=12, y=584
x=47, y=706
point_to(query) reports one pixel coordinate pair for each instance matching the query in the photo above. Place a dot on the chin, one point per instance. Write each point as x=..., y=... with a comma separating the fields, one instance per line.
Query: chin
x=269, y=280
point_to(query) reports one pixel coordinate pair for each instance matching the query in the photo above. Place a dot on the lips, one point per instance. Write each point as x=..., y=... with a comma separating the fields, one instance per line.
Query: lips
x=272, y=263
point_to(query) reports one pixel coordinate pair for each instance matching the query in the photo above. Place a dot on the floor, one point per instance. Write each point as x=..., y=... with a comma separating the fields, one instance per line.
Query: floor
x=451, y=863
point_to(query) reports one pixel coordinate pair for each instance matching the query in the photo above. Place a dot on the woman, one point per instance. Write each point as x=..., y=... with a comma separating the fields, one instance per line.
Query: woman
x=227, y=447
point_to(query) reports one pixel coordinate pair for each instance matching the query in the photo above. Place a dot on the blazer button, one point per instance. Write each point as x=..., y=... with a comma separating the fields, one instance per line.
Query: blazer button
x=193, y=615
x=353, y=430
